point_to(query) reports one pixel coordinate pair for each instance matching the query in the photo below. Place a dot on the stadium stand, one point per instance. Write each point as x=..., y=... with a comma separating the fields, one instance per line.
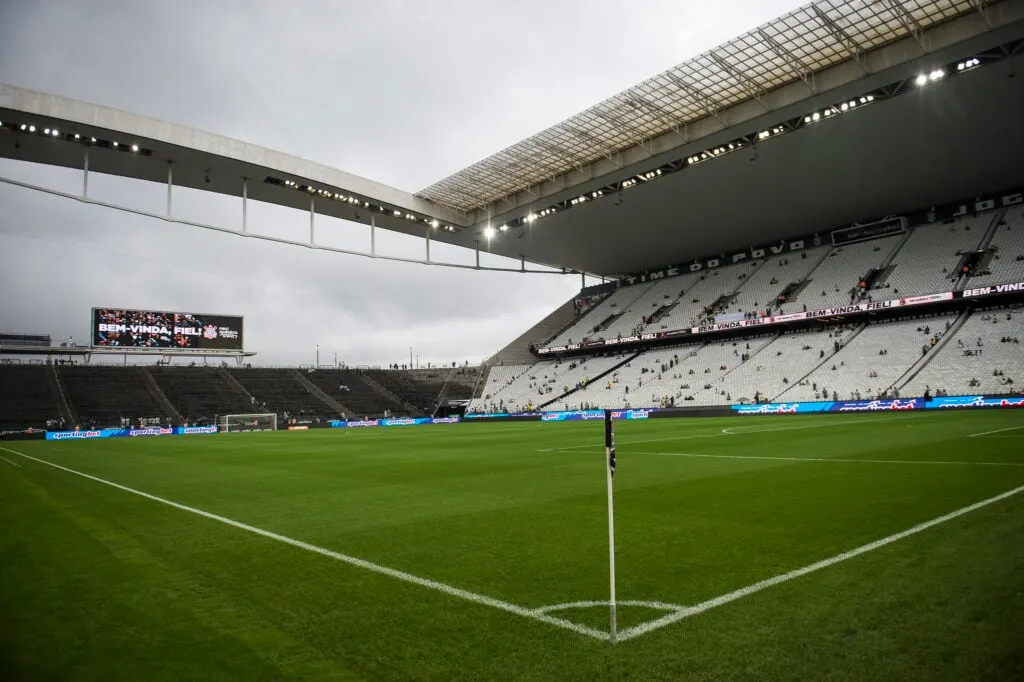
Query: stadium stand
x=1007, y=264
x=985, y=357
x=280, y=391
x=200, y=393
x=604, y=312
x=417, y=394
x=832, y=282
x=867, y=366
x=27, y=397
x=928, y=260
x=352, y=389
x=104, y=395
x=544, y=382
x=763, y=286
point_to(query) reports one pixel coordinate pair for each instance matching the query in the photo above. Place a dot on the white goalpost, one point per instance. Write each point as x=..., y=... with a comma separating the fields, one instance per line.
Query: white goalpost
x=234, y=423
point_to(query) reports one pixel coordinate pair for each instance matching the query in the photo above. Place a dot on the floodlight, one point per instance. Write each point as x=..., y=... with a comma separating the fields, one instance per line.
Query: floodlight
x=46, y=131
x=503, y=228
x=433, y=223
x=55, y=132
x=922, y=79
x=488, y=231
x=115, y=144
x=936, y=74
x=815, y=116
x=31, y=129
x=77, y=136
x=23, y=126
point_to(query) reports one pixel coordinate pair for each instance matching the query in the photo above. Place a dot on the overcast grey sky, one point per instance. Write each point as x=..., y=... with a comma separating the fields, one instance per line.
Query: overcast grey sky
x=403, y=92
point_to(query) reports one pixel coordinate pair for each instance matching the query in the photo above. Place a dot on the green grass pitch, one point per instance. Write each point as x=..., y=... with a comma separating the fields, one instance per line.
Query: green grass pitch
x=99, y=583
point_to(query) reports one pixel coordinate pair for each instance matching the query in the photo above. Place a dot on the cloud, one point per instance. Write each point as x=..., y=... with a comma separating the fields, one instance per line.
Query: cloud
x=400, y=92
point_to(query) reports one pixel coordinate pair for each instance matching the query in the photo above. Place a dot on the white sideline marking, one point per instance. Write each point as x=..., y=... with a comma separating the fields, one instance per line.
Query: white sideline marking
x=833, y=459
x=354, y=561
x=650, y=626
x=13, y=464
x=985, y=433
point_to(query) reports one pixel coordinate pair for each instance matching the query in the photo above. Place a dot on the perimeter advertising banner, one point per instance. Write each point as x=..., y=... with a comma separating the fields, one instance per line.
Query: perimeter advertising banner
x=120, y=328
x=83, y=434
x=888, y=405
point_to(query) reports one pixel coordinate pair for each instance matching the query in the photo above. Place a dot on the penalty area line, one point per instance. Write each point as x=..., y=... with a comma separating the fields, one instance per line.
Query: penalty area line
x=651, y=626
x=466, y=595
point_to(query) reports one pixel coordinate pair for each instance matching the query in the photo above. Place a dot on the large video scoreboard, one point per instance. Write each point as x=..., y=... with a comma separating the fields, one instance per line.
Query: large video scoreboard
x=119, y=328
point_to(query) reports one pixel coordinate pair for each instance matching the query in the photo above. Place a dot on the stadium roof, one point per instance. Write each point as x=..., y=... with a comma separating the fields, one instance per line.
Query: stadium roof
x=793, y=47
x=678, y=195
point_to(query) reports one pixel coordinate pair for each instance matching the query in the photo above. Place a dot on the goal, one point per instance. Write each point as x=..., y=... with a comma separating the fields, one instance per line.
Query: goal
x=232, y=423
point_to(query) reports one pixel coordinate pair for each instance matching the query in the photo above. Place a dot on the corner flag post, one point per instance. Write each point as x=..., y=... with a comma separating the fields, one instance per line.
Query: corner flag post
x=609, y=447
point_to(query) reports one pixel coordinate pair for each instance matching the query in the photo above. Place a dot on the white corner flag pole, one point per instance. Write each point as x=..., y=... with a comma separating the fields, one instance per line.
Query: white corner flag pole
x=609, y=447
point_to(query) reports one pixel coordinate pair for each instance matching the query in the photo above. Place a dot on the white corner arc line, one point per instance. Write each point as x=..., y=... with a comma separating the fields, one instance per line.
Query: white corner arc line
x=671, y=618
x=351, y=560
x=834, y=459
x=985, y=433
x=659, y=605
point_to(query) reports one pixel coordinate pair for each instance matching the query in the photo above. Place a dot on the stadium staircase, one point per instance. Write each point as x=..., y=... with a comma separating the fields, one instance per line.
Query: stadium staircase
x=925, y=359
x=201, y=393
x=481, y=381
x=331, y=402
x=282, y=392
x=102, y=396
x=751, y=357
x=593, y=380
x=70, y=418
x=887, y=261
x=993, y=228
x=518, y=351
x=247, y=397
x=159, y=396
x=395, y=384
x=828, y=356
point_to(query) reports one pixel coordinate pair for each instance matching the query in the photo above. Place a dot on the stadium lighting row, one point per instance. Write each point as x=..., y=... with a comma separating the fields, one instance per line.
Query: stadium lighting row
x=87, y=140
x=835, y=110
x=356, y=201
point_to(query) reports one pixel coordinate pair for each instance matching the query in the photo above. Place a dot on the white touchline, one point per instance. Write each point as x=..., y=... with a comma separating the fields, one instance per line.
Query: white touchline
x=833, y=459
x=523, y=611
x=730, y=432
x=650, y=626
x=985, y=433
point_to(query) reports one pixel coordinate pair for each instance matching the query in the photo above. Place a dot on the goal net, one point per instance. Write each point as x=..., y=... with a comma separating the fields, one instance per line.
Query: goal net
x=233, y=423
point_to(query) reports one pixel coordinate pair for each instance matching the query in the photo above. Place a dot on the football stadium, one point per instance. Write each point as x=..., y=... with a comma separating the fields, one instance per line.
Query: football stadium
x=778, y=432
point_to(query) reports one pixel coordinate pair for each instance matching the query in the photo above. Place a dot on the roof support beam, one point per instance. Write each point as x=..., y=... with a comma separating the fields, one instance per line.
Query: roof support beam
x=560, y=153
x=660, y=113
x=743, y=79
x=852, y=47
x=607, y=151
x=909, y=23
x=794, y=63
x=982, y=8
x=630, y=130
x=710, y=106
